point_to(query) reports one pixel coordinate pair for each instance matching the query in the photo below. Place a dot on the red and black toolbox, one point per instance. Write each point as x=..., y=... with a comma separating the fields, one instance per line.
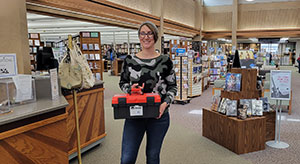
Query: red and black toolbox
x=136, y=104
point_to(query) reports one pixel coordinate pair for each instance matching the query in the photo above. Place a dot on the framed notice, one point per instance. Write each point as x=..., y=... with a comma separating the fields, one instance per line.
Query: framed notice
x=280, y=87
x=8, y=65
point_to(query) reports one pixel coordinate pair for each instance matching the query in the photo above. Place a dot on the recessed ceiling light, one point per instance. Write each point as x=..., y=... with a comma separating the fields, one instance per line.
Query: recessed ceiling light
x=249, y=0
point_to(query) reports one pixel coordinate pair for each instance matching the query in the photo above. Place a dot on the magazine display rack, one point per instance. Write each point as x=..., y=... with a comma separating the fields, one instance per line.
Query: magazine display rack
x=90, y=46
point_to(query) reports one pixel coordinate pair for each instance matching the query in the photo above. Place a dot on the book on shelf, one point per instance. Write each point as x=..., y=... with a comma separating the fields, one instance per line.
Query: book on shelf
x=223, y=105
x=92, y=57
x=34, y=50
x=97, y=56
x=257, y=107
x=84, y=47
x=247, y=103
x=30, y=42
x=91, y=46
x=96, y=47
x=233, y=82
x=37, y=42
x=266, y=105
x=231, y=108
x=34, y=36
x=86, y=56
x=85, y=34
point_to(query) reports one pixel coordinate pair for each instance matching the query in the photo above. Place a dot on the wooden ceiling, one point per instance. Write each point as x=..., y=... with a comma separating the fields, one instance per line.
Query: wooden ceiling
x=105, y=12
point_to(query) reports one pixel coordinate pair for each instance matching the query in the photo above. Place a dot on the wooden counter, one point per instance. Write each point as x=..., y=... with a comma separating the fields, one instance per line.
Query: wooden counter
x=91, y=119
x=35, y=133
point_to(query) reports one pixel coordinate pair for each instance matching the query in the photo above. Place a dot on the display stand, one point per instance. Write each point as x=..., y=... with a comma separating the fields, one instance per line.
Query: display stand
x=277, y=143
x=181, y=71
x=239, y=136
x=281, y=90
x=90, y=47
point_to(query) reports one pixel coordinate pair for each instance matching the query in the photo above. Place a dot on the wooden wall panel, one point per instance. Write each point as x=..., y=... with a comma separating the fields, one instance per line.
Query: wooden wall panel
x=182, y=11
x=91, y=118
x=269, y=19
x=141, y=5
x=47, y=144
x=217, y=21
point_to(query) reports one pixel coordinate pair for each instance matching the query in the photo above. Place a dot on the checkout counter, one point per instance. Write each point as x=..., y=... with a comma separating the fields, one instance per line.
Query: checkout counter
x=44, y=131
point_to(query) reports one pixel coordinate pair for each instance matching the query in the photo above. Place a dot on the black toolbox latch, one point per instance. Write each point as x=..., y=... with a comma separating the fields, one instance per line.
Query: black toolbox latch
x=150, y=101
x=122, y=101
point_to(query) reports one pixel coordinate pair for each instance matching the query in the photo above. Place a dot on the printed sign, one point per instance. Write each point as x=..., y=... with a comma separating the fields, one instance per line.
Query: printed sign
x=8, y=65
x=280, y=84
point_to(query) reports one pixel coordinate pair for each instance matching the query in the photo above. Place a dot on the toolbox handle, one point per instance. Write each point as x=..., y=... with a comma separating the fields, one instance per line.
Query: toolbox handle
x=137, y=89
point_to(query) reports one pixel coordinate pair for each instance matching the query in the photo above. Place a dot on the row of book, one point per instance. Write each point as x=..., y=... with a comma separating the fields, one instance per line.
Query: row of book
x=92, y=56
x=246, y=107
x=90, y=47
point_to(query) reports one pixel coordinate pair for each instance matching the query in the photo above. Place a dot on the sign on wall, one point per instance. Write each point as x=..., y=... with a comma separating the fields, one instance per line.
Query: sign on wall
x=280, y=87
x=8, y=65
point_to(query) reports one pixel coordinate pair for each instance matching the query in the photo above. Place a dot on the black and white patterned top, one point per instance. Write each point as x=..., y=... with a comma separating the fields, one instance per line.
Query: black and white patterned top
x=157, y=74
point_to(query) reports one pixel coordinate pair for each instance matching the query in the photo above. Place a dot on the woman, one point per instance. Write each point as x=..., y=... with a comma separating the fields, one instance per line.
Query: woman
x=156, y=72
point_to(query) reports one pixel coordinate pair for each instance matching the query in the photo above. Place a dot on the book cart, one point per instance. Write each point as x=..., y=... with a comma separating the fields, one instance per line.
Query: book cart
x=240, y=136
x=90, y=46
x=34, y=44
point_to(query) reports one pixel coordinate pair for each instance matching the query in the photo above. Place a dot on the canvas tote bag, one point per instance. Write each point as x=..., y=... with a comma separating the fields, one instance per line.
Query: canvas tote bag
x=88, y=79
x=70, y=72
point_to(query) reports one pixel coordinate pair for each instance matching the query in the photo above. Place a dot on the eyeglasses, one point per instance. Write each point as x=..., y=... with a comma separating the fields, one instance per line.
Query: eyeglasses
x=149, y=34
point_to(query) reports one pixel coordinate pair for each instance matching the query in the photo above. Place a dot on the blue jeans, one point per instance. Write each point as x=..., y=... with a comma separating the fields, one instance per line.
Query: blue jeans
x=133, y=133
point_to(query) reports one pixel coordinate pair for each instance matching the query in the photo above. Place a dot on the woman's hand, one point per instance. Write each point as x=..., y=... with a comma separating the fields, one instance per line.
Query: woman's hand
x=162, y=108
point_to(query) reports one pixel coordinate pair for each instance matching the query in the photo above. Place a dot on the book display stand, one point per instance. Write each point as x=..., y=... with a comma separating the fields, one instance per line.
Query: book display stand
x=240, y=135
x=90, y=46
x=34, y=44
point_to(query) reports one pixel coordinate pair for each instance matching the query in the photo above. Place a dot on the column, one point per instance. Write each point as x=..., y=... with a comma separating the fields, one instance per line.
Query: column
x=158, y=10
x=198, y=19
x=234, y=22
x=14, y=32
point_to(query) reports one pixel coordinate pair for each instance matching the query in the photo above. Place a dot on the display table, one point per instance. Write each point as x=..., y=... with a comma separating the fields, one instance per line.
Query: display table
x=35, y=133
x=91, y=119
x=239, y=136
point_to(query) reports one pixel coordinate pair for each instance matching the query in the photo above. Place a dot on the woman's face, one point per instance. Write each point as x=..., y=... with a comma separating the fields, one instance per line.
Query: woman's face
x=146, y=37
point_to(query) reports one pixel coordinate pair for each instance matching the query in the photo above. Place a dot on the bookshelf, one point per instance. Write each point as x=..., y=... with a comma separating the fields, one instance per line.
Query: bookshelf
x=34, y=44
x=90, y=46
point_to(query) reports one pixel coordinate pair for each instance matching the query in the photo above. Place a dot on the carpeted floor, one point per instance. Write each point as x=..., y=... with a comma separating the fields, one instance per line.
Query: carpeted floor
x=184, y=143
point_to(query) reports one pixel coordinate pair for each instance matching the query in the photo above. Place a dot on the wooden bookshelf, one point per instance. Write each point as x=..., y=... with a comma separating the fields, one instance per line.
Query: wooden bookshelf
x=34, y=45
x=90, y=45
